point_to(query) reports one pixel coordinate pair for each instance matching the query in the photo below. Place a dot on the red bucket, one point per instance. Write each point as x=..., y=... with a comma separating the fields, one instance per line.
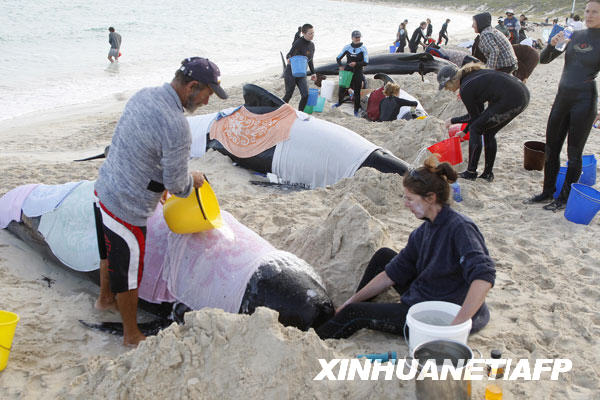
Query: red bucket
x=455, y=128
x=448, y=150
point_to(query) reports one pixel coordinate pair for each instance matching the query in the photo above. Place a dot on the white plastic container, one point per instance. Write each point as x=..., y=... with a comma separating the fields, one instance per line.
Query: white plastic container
x=327, y=89
x=421, y=332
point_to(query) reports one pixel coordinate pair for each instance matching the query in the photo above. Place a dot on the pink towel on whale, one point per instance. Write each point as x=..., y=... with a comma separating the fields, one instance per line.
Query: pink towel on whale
x=245, y=134
x=12, y=202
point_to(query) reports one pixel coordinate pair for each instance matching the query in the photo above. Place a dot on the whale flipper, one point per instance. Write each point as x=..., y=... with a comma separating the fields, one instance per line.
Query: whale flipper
x=103, y=155
x=383, y=77
x=255, y=96
x=116, y=328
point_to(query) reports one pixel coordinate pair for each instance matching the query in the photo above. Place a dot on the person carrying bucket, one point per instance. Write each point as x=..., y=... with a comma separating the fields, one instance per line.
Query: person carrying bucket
x=506, y=97
x=574, y=110
x=445, y=259
x=149, y=153
x=303, y=46
x=356, y=58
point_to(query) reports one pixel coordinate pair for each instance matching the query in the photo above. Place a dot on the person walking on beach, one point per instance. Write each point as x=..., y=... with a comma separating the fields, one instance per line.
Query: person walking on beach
x=115, y=45
x=418, y=37
x=445, y=259
x=429, y=29
x=401, y=37
x=303, y=46
x=149, y=153
x=444, y=33
x=356, y=58
x=506, y=97
x=491, y=46
x=574, y=110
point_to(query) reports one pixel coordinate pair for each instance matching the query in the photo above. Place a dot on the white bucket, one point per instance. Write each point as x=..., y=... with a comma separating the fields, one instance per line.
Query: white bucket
x=421, y=332
x=327, y=89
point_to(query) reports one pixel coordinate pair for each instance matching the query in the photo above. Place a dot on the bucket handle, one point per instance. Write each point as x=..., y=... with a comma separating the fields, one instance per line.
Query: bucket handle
x=200, y=203
x=404, y=335
x=5, y=348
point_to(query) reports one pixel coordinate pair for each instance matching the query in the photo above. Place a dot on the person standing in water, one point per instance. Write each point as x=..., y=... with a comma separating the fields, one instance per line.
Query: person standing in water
x=574, y=110
x=356, y=58
x=115, y=45
x=444, y=33
x=303, y=46
x=445, y=259
x=506, y=97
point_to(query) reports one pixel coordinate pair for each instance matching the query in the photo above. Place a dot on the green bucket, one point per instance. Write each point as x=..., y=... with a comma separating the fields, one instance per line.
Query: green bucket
x=308, y=109
x=345, y=78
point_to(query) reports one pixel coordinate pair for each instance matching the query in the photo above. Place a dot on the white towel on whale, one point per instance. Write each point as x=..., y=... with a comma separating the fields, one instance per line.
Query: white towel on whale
x=320, y=153
x=45, y=198
x=406, y=109
x=199, y=127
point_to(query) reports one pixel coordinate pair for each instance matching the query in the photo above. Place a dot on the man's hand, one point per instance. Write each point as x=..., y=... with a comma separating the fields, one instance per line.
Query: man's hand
x=164, y=197
x=198, y=178
x=556, y=38
x=352, y=64
x=313, y=77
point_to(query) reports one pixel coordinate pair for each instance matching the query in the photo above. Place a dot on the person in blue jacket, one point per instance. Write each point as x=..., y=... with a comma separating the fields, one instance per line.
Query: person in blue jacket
x=356, y=58
x=445, y=259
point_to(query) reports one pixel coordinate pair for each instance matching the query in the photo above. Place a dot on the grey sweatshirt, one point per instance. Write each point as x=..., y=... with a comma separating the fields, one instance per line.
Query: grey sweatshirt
x=150, y=148
x=115, y=40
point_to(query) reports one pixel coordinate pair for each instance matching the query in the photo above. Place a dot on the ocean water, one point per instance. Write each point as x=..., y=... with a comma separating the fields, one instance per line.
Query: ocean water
x=54, y=51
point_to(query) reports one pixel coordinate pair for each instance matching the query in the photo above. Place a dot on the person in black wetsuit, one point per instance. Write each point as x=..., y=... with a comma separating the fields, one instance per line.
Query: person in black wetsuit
x=575, y=107
x=301, y=47
x=429, y=29
x=356, y=58
x=401, y=37
x=444, y=33
x=417, y=36
x=506, y=96
x=390, y=106
x=445, y=259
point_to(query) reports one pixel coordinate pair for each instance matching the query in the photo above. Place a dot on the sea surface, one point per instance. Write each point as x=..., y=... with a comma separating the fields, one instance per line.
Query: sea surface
x=54, y=51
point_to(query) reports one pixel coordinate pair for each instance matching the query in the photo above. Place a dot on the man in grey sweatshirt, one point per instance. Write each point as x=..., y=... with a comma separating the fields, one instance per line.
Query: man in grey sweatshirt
x=149, y=153
x=115, y=45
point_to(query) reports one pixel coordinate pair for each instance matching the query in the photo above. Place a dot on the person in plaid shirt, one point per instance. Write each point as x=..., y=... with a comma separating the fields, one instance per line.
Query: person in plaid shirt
x=492, y=46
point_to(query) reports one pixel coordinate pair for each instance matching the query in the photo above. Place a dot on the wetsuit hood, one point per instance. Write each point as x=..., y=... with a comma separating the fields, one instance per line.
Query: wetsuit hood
x=483, y=20
x=356, y=45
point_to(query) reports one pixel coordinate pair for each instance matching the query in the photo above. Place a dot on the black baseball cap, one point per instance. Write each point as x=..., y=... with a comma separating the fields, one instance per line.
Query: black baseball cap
x=205, y=71
x=356, y=34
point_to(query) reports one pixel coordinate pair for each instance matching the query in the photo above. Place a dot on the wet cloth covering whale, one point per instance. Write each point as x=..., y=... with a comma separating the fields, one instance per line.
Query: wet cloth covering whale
x=207, y=269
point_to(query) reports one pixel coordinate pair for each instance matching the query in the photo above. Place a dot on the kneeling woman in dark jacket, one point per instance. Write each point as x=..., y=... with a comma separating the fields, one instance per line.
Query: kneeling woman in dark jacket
x=445, y=259
x=506, y=96
x=389, y=108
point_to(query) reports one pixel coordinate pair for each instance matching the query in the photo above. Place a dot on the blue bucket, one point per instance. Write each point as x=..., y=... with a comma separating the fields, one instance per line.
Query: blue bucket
x=299, y=65
x=560, y=180
x=583, y=204
x=313, y=95
x=588, y=167
x=393, y=49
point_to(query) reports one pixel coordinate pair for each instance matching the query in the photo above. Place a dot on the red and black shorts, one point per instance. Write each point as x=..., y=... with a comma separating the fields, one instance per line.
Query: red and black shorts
x=123, y=245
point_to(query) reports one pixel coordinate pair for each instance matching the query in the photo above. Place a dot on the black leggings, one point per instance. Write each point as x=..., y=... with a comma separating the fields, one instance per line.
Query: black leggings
x=385, y=317
x=290, y=84
x=442, y=36
x=356, y=85
x=573, y=113
x=485, y=127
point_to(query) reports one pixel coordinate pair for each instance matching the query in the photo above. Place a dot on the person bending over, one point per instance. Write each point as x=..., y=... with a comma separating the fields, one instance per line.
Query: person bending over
x=418, y=37
x=444, y=33
x=390, y=106
x=149, y=153
x=445, y=259
x=575, y=107
x=301, y=47
x=492, y=46
x=506, y=97
x=356, y=58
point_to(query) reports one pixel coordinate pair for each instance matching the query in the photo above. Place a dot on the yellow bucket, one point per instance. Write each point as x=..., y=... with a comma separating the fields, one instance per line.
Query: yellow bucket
x=8, y=324
x=196, y=213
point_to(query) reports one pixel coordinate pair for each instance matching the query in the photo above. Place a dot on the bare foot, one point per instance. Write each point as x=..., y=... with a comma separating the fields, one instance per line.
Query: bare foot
x=105, y=304
x=134, y=340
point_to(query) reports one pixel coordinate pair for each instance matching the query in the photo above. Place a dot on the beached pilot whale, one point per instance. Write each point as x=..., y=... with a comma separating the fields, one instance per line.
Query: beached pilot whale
x=268, y=136
x=231, y=268
x=394, y=64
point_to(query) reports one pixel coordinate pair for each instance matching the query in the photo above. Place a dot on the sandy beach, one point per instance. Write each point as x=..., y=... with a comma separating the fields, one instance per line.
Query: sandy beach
x=544, y=303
